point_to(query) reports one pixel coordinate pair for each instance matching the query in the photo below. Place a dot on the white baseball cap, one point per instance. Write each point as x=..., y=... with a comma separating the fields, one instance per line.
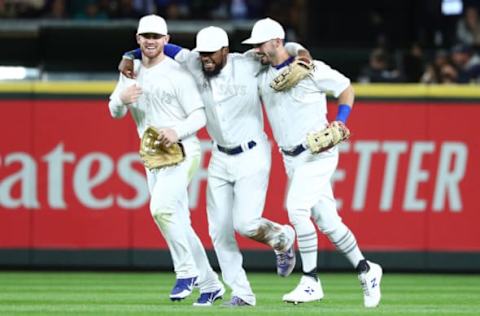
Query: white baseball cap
x=265, y=30
x=152, y=24
x=211, y=39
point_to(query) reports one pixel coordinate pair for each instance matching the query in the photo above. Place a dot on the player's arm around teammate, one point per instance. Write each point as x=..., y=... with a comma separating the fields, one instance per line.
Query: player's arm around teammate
x=239, y=169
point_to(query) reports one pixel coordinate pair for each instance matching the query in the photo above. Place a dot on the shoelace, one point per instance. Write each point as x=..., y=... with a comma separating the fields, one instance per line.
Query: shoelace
x=282, y=258
x=365, y=288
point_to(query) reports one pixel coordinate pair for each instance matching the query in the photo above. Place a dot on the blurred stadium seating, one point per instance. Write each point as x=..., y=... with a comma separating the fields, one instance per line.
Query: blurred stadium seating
x=89, y=41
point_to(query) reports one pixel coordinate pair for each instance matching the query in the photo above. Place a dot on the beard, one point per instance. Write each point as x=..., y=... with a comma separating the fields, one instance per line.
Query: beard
x=263, y=59
x=211, y=73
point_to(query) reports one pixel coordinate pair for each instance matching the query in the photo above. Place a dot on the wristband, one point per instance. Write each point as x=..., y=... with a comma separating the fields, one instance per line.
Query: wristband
x=343, y=113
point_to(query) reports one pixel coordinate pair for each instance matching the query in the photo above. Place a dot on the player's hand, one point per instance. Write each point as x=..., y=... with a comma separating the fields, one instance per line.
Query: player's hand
x=305, y=56
x=167, y=136
x=131, y=94
x=126, y=68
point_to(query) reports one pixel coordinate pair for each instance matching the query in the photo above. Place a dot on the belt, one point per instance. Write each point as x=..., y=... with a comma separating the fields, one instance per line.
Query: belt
x=236, y=150
x=297, y=150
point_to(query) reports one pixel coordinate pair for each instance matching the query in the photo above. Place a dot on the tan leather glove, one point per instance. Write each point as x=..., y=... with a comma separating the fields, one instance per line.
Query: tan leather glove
x=335, y=133
x=290, y=76
x=155, y=155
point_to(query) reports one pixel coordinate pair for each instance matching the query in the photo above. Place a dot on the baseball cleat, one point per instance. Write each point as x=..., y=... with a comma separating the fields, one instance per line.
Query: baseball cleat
x=236, y=302
x=286, y=259
x=370, y=282
x=208, y=298
x=182, y=288
x=285, y=262
x=308, y=290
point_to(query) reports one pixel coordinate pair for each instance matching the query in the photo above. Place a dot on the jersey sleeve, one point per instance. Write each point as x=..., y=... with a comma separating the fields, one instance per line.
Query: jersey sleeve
x=137, y=53
x=117, y=108
x=178, y=53
x=329, y=80
x=188, y=94
x=171, y=50
x=293, y=48
x=252, y=61
x=115, y=105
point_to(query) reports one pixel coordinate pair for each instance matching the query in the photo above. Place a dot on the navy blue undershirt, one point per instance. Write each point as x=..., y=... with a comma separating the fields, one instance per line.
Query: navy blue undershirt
x=285, y=63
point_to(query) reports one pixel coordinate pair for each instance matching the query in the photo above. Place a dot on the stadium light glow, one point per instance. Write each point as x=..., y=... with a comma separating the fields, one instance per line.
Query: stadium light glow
x=17, y=73
x=452, y=7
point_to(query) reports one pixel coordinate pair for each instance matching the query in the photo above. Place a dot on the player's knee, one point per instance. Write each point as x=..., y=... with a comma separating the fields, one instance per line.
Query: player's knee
x=163, y=219
x=291, y=204
x=161, y=213
x=295, y=204
x=298, y=216
x=220, y=237
x=158, y=206
x=294, y=218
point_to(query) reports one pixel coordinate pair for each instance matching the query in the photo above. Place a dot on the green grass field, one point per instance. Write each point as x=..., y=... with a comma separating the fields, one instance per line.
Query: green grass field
x=120, y=293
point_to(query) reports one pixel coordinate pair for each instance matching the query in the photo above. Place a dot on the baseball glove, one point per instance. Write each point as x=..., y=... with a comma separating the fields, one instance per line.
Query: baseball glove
x=335, y=133
x=296, y=71
x=156, y=155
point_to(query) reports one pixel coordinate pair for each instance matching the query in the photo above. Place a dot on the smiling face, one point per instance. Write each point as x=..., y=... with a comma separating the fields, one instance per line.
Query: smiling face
x=213, y=62
x=152, y=44
x=266, y=51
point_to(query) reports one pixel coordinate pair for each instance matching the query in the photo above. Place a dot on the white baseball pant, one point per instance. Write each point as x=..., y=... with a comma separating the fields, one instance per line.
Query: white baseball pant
x=236, y=190
x=169, y=209
x=310, y=195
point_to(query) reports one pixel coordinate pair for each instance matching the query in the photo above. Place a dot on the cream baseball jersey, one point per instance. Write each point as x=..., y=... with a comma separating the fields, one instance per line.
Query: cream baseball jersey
x=232, y=105
x=163, y=102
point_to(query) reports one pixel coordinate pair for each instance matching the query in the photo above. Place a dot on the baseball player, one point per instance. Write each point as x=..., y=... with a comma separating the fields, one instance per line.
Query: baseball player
x=292, y=114
x=239, y=168
x=165, y=97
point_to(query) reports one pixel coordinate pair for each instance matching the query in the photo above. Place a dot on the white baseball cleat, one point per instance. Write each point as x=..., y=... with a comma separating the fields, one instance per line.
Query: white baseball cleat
x=370, y=282
x=308, y=290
